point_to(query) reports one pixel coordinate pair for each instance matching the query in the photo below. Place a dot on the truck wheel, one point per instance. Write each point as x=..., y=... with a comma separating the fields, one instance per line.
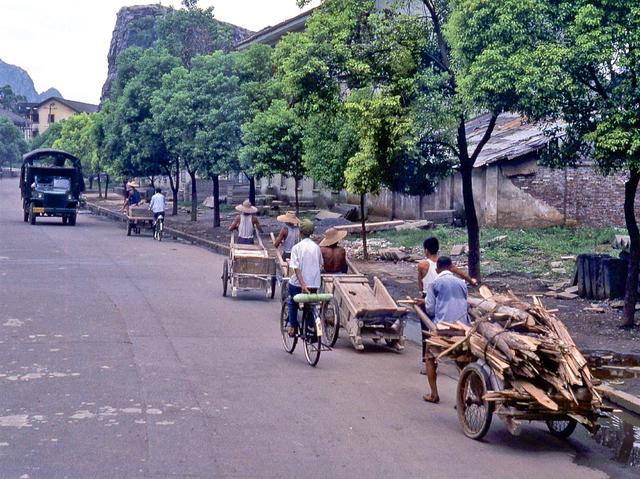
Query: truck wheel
x=32, y=215
x=64, y=220
x=72, y=220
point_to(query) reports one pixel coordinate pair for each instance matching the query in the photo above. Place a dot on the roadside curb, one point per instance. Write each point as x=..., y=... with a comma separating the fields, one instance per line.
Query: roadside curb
x=621, y=398
x=210, y=245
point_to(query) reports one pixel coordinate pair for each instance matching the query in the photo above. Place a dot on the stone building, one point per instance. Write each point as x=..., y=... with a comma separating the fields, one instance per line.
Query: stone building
x=43, y=114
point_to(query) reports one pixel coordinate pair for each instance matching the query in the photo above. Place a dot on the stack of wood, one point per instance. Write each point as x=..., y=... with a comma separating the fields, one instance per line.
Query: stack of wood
x=529, y=350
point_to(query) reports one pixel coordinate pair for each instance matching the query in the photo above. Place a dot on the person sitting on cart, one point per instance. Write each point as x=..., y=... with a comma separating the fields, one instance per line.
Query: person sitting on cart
x=306, y=263
x=427, y=274
x=131, y=196
x=446, y=301
x=246, y=222
x=289, y=234
x=157, y=205
x=334, y=255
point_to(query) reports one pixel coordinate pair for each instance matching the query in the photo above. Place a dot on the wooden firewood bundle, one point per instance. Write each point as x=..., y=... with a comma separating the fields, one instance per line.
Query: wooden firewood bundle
x=528, y=349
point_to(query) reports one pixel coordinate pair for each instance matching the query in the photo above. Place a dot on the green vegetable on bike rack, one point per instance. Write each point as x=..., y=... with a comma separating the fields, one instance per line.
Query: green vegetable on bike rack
x=313, y=298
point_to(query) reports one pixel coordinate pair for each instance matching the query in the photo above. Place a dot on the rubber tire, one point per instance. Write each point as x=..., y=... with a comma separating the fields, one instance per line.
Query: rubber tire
x=129, y=228
x=65, y=220
x=562, y=433
x=273, y=287
x=32, y=216
x=225, y=277
x=25, y=215
x=161, y=230
x=469, y=371
x=312, y=349
x=288, y=343
x=72, y=220
x=331, y=338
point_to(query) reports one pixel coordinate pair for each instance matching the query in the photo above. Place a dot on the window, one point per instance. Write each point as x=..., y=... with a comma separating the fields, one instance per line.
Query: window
x=269, y=180
x=283, y=181
x=35, y=133
x=52, y=118
x=35, y=117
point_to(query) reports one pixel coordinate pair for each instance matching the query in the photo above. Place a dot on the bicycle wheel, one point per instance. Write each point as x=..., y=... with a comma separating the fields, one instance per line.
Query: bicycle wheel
x=474, y=412
x=288, y=343
x=331, y=324
x=312, y=341
x=159, y=229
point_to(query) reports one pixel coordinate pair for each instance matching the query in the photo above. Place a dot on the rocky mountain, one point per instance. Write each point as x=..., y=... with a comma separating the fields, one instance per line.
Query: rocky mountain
x=135, y=26
x=22, y=84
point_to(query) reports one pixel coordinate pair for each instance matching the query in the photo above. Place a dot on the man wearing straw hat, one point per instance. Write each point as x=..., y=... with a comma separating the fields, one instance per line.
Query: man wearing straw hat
x=289, y=234
x=132, y=195
x=334, y=256
x=305, y=264
x=245, y=222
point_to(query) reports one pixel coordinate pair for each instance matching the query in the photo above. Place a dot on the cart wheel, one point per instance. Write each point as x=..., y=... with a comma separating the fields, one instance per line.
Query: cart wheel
x=225, y=277
x=272, y=293
x=25, y=216
x=562, y=428
x=474, y=412
x=288, y=343
x=312, y=342
x=393, y=343
x=331, y=324
x=129, y=228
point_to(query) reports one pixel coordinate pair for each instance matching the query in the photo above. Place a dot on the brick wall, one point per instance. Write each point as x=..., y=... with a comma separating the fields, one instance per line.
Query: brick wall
x=580, y=194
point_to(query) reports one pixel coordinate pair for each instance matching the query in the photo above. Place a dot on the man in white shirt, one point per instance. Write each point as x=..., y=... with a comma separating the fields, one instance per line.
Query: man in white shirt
x=157, y=205
x=305, y=265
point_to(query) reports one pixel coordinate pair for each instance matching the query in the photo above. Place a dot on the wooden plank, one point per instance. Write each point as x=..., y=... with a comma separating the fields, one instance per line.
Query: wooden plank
x=379, y=226
x=538, y=394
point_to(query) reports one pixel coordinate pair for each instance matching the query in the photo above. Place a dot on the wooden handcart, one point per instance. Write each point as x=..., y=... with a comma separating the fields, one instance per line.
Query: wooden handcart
x=139, y=218
x=249, y=267
x=362, y=312
x=516, y=361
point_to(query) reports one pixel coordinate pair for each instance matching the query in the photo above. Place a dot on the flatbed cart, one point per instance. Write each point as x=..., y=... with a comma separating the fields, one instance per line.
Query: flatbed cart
x=249, y=267
x=139, y=218
x=362, y=312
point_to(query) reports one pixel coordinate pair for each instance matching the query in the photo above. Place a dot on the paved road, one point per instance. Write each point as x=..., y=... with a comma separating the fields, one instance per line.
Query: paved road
x=120, y=358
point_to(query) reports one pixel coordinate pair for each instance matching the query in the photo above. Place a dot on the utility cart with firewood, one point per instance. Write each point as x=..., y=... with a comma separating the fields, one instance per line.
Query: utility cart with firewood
x=517, y=361
x=249, y=267
x=361, y=311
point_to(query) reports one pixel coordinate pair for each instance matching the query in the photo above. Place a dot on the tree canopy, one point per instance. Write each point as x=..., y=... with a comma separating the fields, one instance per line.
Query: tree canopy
x=12, y=144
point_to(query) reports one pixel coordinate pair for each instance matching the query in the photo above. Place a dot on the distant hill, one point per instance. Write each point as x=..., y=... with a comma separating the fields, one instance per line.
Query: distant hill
x=22, y=84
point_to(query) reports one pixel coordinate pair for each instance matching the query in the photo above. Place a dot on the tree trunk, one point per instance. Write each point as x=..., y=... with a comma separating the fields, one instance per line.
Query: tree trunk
x=393, y=205
x=216, y=201
x=194, y=197
x=296, y=183
x=365, y=253
x=106, y=185
x=175, y=187
x=471, y=218
x=631, y=292
x=99, y=187
x=252, y=190
x=153, y=182
x=90, y=182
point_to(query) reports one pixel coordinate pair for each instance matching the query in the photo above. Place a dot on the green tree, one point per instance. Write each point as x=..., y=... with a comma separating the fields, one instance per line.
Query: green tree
x=273, y=144
x=78, y=137
x=9, y=100
x=129, y=139
x=576, y=61
x=199, y=115
x=12, y=144
x=47, y=139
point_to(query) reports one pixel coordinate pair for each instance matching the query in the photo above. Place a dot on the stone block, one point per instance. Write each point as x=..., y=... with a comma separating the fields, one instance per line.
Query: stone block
x=459, y=249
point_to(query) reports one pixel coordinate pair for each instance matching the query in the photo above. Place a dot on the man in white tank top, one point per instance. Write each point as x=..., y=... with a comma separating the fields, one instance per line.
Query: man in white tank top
x=245, y=222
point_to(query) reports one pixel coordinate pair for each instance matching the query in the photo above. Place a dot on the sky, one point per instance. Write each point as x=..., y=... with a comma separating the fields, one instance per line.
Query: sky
x=64, y=43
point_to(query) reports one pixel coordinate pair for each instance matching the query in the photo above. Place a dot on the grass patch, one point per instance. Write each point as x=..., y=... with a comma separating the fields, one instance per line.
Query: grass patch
x=524, y=251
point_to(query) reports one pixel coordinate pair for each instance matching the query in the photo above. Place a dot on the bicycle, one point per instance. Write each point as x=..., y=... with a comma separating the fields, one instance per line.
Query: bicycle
x=158, y=229
x=310, y=329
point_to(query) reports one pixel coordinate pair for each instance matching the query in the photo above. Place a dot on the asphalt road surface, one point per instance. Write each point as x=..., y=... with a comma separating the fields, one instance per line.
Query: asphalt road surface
x=119, y=357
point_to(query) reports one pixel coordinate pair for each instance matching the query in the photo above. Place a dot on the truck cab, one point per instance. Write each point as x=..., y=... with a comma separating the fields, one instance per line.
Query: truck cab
x=51, y=182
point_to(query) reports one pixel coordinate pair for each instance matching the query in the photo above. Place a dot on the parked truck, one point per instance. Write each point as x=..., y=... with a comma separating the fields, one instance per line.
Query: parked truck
x=51, y=182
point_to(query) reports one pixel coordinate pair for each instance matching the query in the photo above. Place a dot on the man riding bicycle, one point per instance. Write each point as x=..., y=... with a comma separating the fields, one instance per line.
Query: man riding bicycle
x=306, y=263
x=157, y=205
